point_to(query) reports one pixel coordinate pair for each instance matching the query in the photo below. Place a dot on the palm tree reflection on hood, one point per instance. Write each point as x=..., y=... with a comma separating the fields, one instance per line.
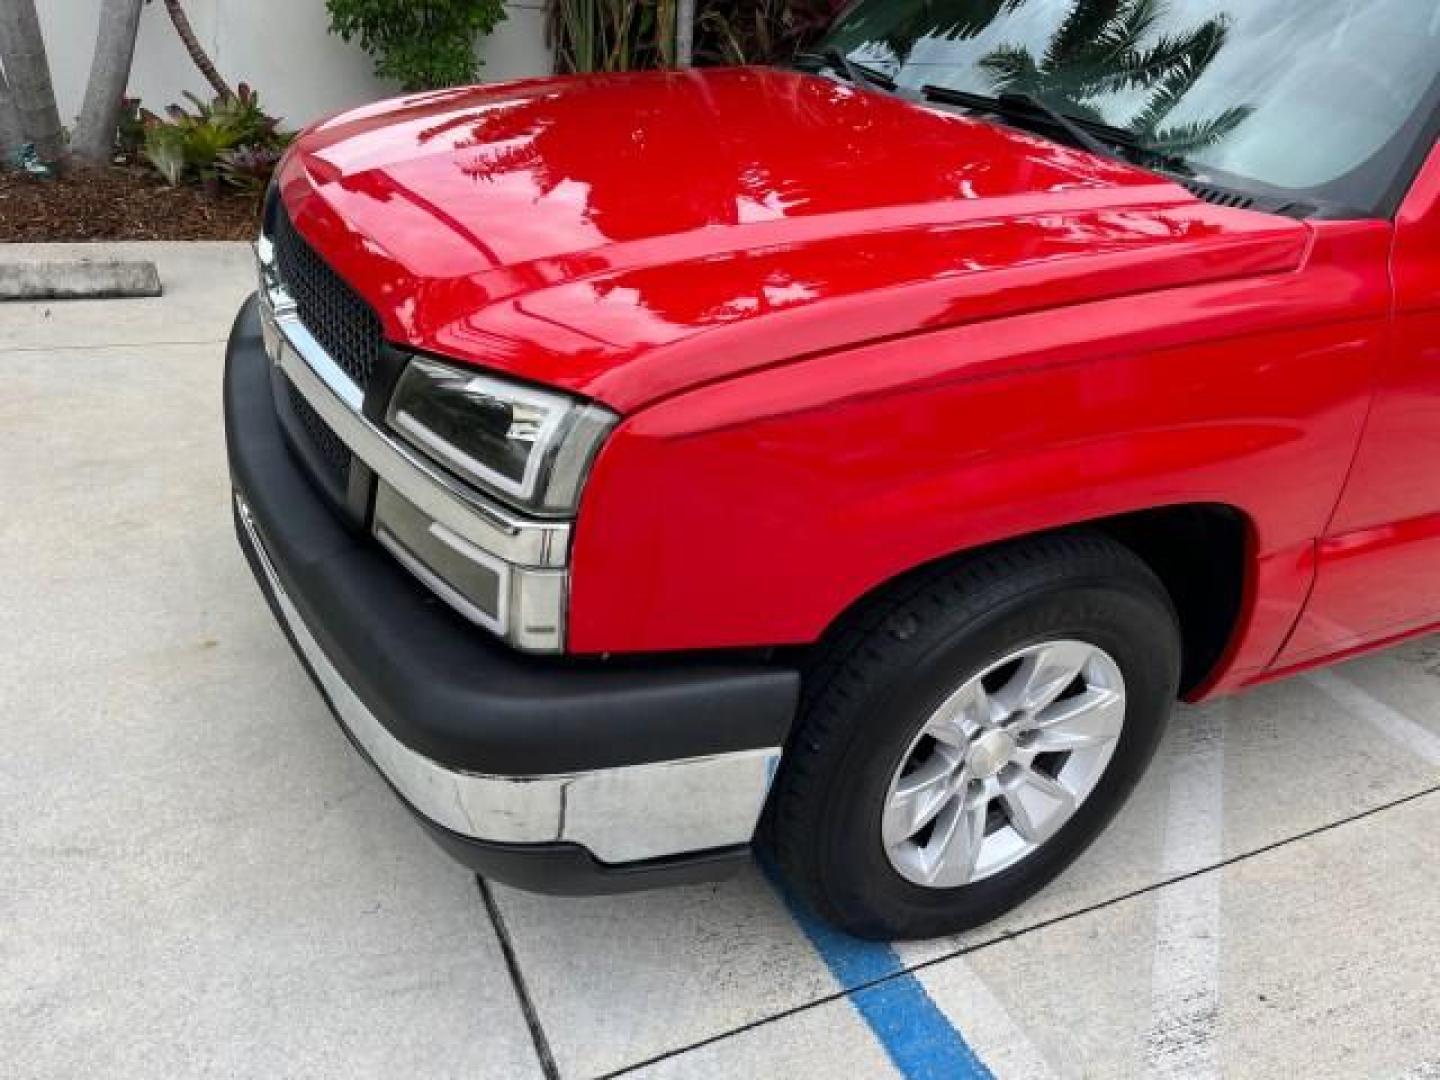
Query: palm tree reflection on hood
x=1101, y=49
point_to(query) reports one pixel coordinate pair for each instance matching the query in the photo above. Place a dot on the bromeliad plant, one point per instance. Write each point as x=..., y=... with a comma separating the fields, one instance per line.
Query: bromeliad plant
x=249, y=168
x=228, y=139
x=165, y=150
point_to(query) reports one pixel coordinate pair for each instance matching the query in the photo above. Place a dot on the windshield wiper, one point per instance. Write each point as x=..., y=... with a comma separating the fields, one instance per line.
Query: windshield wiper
x=844, y=65
x=1027, y=107
x=853, y=73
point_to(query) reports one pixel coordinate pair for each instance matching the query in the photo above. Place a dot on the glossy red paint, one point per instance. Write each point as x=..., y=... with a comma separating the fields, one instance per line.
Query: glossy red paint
x=1379, y=573
x=577, y=232
x=774, y=501
x=849, y=335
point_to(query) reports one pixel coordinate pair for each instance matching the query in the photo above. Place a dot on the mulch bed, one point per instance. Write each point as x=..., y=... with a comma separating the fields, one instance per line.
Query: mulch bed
x=119, y=203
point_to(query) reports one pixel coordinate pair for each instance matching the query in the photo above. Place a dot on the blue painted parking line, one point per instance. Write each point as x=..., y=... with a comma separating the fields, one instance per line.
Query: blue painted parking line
x=917, y=1036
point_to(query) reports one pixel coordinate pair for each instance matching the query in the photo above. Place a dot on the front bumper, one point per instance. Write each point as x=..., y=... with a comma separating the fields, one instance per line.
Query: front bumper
x=566, y=775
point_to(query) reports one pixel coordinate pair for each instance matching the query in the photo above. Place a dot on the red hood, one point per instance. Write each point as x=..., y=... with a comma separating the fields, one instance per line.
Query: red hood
x=626, y=237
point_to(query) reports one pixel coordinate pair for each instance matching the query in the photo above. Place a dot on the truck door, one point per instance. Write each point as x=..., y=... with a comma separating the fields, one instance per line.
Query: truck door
x=1379, y=562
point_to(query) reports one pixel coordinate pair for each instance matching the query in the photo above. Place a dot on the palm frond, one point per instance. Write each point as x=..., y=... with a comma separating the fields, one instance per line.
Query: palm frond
x=1194, y=49
x=1085, y=23
x=1105, y=46
x=972, y=19
x=1121, y=37
x=1199, y=134
x=1011, y=69
x=1178, y=76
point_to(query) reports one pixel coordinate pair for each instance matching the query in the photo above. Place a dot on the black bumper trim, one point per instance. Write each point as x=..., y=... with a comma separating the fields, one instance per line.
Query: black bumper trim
x=570, y=870
x=557, y=869
x=445, y=688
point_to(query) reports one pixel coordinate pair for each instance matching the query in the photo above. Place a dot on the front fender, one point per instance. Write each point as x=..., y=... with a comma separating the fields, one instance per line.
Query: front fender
x=754, y=511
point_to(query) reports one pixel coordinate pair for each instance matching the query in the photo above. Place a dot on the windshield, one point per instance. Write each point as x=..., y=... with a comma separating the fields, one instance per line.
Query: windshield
x=1318, y=99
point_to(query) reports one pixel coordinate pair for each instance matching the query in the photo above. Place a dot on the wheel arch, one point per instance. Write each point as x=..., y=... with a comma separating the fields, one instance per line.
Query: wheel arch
x=1202, y=553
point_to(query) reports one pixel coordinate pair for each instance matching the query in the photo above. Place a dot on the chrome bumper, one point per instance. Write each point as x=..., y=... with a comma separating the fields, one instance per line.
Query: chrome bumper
x=620, y=815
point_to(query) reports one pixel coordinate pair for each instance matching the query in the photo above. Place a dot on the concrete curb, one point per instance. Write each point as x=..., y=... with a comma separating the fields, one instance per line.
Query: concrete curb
x=84, y=279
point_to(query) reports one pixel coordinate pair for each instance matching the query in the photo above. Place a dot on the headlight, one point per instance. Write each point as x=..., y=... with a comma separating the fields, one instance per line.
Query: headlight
x=530, y=447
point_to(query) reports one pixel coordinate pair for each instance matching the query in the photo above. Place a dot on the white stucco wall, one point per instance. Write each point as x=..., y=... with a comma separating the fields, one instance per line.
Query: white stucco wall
x=280, y=47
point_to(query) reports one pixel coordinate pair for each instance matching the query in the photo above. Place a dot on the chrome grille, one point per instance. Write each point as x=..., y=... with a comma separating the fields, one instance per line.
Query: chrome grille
x=331, y=310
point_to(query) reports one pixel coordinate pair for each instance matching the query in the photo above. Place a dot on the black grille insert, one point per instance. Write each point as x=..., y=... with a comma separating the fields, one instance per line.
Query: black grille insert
x=331, y=452
x=330, y=309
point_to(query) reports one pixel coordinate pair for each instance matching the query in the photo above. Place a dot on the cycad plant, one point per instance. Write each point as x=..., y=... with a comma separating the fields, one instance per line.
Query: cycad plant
x=1106, y=47
x=627, y=35
x=759, y=31
x=612, y=35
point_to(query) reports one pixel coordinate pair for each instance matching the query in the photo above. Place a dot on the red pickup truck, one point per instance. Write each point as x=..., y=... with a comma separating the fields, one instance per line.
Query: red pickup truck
x=859, y=458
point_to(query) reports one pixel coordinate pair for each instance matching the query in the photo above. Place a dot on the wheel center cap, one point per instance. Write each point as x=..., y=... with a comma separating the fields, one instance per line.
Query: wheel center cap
x=990, y=753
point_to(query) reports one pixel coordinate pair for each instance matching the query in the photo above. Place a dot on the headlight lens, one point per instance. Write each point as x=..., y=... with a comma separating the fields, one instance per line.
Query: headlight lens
x=530, y=447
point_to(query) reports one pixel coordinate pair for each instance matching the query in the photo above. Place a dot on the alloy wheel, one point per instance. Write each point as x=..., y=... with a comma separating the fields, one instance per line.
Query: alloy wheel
x=1003, y=763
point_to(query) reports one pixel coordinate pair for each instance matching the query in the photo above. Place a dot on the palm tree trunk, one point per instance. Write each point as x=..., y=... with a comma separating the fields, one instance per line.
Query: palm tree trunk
x=10, y=136
x=27, y=69
x=94, y=140
x=684, y=32
x=197, y=53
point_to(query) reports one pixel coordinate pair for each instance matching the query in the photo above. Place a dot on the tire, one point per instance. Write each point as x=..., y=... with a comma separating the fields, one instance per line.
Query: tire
x=911, y=661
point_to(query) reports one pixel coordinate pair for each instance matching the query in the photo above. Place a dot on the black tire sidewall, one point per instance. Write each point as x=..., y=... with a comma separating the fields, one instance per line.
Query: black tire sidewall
x=1133, y=624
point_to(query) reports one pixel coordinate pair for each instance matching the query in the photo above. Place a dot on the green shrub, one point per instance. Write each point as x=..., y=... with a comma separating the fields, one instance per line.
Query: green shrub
x=421, y=44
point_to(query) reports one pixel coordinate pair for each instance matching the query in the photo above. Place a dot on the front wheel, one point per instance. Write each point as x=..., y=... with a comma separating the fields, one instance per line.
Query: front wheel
x=967, y=736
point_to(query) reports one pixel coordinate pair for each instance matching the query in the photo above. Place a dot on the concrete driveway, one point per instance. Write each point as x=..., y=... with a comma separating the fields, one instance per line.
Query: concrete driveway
x=198, y=876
